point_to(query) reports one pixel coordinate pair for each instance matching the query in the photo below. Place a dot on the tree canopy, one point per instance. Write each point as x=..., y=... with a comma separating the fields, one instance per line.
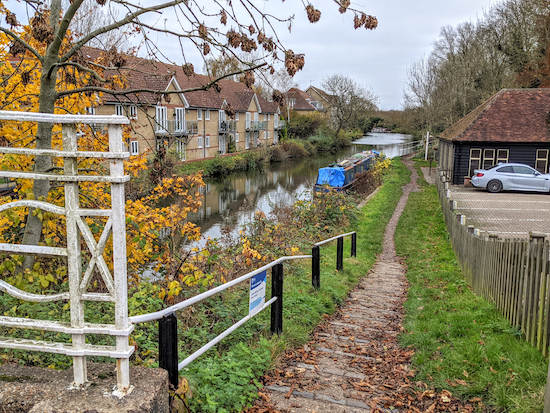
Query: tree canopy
x=506, y=48
x=349, y=101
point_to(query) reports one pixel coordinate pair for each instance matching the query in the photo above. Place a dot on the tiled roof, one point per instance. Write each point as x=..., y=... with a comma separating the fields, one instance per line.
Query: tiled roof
x=511, y=115
x=322, y=93
x=149, y=74
x=300, y=99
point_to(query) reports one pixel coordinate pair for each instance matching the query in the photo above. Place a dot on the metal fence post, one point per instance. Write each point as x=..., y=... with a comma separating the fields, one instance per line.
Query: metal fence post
x=354, y=244
x=340, y=254
x=168, y=347
x=316, y=267
x=277, y=306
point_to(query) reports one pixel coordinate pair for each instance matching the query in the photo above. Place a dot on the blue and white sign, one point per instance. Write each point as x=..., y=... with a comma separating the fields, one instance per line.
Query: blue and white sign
x=257, y=292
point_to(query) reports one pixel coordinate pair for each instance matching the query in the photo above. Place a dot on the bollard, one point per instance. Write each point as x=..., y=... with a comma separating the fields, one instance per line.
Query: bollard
x=316, y=267
x=354, y=244
x=277, y=306
x=168, y=347
x=340, y=254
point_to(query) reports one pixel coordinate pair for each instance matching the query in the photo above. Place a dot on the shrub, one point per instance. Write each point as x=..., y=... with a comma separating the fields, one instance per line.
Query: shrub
x=278, y=154
x=295, y=149
x=303, y=126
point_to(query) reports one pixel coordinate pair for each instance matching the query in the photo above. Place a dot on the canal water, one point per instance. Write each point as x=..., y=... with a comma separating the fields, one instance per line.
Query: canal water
x=232, y=201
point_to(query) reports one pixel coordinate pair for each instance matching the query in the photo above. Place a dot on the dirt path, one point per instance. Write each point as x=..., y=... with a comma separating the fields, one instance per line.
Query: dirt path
x=354, y=361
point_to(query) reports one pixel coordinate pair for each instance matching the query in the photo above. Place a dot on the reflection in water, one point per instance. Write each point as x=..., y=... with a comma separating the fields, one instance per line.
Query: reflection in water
x=232, y=201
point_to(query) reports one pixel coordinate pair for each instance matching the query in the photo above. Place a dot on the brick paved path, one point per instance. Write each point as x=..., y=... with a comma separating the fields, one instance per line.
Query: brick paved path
x=354, y=358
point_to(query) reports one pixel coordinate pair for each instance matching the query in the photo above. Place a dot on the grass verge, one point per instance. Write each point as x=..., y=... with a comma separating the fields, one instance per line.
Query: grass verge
x=462, y=343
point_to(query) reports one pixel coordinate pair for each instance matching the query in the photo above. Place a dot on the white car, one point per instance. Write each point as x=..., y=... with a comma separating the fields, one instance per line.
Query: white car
x=511, y=177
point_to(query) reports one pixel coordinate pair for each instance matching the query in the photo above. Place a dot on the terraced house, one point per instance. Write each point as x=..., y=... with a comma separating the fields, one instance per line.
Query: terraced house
x=193, y=124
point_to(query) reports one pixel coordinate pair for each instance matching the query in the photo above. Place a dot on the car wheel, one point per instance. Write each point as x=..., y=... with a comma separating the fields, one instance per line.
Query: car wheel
x=494, y=186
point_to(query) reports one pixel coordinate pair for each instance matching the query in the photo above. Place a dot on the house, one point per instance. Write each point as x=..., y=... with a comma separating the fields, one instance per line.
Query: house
x=320, y=99
x=299, y=101
x=512, y=126
x=193, y=124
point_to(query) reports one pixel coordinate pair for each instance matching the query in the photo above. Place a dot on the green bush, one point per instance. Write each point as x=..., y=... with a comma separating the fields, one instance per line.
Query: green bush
x=295, y=149
x=303, y=126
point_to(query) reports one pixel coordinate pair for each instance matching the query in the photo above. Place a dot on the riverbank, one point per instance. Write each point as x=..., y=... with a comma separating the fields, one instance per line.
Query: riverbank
x=256, y=159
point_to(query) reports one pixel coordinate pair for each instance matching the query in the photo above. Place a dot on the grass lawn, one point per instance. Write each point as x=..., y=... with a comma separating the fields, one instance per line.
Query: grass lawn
x=462, y=343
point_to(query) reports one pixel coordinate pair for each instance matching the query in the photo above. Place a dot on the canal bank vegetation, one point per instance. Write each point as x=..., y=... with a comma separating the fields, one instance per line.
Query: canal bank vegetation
x=227, y=377
x=257, y=159
x=462, y=344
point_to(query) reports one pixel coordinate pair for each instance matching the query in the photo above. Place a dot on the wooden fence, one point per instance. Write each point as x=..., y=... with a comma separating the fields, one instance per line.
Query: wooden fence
x=513, y=273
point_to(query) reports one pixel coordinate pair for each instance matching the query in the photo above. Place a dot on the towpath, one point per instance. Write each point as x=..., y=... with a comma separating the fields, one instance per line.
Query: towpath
x=354, y=361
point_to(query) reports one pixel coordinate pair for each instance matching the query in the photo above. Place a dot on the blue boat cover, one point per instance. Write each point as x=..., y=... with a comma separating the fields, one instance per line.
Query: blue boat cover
x=331, y=176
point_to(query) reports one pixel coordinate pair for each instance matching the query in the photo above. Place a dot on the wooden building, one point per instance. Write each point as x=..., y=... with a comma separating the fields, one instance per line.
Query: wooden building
x=512, y=126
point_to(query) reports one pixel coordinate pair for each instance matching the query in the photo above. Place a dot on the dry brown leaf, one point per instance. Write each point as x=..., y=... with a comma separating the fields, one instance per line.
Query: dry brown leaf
x=465, y=373
x=446, y=396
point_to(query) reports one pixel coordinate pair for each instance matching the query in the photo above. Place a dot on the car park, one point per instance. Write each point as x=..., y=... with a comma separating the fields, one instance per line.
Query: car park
x=511, y=177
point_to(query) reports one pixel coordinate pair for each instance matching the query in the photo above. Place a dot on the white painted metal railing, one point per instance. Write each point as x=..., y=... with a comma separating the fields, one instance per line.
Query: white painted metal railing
x=77, y=227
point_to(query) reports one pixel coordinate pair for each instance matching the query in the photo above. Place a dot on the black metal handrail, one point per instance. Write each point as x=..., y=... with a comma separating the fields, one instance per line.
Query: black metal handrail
x=316, y=256
x=168, y=329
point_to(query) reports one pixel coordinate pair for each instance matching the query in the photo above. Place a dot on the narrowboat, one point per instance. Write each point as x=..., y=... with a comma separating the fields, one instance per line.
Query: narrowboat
x=340, y=176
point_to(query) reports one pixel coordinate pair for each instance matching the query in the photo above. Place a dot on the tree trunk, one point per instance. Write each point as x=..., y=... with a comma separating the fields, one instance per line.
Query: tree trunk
x=47, y=98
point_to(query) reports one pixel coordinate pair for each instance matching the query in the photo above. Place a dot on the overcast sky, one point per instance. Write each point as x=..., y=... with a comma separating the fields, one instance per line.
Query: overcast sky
x=378, y=58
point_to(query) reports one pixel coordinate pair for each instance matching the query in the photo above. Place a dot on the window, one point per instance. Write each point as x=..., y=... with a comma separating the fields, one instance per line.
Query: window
x=236, y=116
x=541, y=163
x=199, y=114
x=134, y=148
x=488, y=158
x=180, y=149
x=207, y=114
x=524, y=170
x=119, y=110
x=502, y=155
x=247, y=140
x=268, y=135
x=207, y=141
x=268, y=117
x=265, y=135
x=247, y=120
x=265, y=117
x=236, y=136
x=475, y=160
x=161, y=119
x=505, y=169
x=132, y=112
x=90, y=111
x=179, y=114
x=276, y=122
x=199, y=142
